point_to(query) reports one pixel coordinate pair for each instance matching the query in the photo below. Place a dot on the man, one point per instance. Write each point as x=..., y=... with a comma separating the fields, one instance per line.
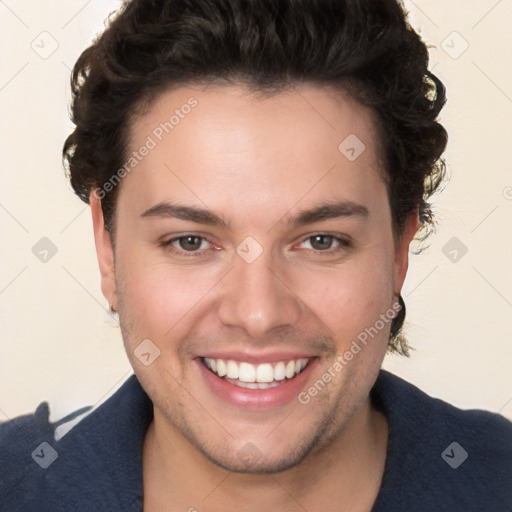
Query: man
x=256, y=171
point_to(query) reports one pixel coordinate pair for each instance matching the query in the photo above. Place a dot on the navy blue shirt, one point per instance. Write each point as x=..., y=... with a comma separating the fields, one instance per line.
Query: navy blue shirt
x=439, y=458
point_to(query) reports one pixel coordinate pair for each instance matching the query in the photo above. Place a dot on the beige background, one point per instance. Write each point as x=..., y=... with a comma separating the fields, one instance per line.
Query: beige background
x=60, y=344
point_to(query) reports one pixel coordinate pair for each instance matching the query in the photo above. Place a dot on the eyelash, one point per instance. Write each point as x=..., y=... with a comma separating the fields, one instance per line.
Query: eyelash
x=344, y=244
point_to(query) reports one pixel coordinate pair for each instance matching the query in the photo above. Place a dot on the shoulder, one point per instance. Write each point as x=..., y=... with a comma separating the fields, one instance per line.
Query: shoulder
x=27, y=446
x=442, y=455
x=81, y=462
x=399, y=396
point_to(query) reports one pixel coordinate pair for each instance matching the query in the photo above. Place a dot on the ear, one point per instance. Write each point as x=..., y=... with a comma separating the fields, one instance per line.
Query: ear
x=402, y=243
x=104, y=251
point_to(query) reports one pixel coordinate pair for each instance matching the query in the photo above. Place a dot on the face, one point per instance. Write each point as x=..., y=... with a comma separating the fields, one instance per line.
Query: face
x=248, y=241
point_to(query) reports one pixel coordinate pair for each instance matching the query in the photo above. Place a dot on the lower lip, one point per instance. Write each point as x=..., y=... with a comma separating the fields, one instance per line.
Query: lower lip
x=257, y=399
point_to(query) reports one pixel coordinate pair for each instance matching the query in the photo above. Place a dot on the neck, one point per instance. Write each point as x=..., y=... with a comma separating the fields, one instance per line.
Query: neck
x=344, y=475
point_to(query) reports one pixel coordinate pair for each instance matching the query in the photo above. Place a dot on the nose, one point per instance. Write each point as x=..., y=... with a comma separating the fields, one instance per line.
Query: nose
x=257, y=298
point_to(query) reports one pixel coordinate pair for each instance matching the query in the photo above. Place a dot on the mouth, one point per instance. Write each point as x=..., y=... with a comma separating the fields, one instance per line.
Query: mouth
x=256, y=376
x=256, y=384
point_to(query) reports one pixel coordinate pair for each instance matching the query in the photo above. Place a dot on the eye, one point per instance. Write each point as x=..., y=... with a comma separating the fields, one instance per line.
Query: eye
x=324, y=242
x=195, y=245
x=187, y=245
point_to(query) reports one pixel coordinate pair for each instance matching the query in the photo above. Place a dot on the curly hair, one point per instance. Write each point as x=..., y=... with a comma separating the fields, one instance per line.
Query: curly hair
x=365, y=47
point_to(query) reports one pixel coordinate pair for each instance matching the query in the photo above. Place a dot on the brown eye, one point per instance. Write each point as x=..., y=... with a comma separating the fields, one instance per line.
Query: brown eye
x=190, y=243
x=326, y=243
x=321, y=242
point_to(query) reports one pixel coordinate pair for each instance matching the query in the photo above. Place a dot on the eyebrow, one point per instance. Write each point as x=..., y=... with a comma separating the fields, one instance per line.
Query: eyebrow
x=324, y=211
x=189, y=213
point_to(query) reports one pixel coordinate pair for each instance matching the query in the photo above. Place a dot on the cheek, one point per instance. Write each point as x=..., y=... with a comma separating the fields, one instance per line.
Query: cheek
x=159, y=299
x=349, y=299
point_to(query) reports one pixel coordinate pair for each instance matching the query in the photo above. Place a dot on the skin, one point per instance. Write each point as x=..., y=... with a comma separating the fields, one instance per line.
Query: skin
x=256, y=162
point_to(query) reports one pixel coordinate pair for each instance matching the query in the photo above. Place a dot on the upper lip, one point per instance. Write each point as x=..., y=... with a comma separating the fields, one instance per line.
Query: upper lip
x=255, y=358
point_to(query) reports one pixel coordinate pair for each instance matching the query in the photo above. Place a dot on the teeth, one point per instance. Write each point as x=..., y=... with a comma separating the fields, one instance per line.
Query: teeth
x=279, y=371
x=253, y=385
x=290, y=369
x=221, y=366
x=247, y=372
x=232, y=370
x=265, y=373
x=256, y=376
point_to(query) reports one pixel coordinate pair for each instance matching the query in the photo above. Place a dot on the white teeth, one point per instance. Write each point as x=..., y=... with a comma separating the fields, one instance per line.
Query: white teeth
x=256, y=376
x=221, y=367
x=279, y=371
x=232, y=370
x=290, y=369
x=247, y=372
x=253, y=385
x=265, y=373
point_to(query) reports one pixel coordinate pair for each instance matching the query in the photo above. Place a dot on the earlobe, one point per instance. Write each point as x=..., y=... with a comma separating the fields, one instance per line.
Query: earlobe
x=104, y=252
x=402, y=250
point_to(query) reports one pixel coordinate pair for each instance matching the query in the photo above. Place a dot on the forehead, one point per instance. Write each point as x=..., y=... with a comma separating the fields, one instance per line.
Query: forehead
x=230, y=146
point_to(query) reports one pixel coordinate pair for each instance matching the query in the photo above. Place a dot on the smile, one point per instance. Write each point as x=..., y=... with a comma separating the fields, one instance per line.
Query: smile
x=256, y=376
